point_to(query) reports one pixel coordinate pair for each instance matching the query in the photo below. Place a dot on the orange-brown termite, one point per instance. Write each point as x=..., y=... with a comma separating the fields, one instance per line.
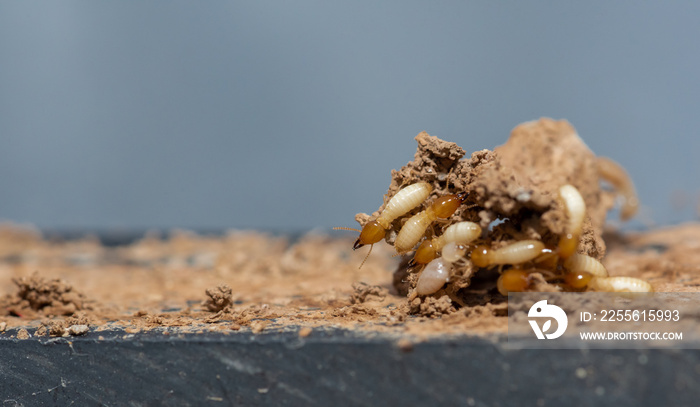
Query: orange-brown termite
x=400, y=204
x=460, y=233
x=414, y=228
x=515, y=253
x=575, y=209
x=613, y=173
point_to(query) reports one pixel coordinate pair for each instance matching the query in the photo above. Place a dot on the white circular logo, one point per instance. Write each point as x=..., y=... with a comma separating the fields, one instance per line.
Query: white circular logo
x=543, y=310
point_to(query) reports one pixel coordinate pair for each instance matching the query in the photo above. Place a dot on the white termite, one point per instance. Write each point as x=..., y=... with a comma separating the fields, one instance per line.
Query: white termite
x=437, y=272
x=403, y=202
x=434, y=275
x=575, y=209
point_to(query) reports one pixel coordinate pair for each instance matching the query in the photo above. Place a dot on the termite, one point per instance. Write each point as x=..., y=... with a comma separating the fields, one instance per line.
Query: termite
x=620, y=284
x=515, y=253
x=437, y=272
x=400, y=204
x=575, y=212
x=460, y=233
x=432, y=278
x=613, y=173
x=414, y=228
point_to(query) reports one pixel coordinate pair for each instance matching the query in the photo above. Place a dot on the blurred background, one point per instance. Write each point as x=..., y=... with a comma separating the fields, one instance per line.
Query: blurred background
x=291, y=115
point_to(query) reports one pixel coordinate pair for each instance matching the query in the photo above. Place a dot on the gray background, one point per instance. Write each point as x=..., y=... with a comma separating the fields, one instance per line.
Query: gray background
x=290, y=115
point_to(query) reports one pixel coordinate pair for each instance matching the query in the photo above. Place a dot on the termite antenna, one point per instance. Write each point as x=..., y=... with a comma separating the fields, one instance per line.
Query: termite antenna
x=357, y=244
x=366, y=257
x=344, y=228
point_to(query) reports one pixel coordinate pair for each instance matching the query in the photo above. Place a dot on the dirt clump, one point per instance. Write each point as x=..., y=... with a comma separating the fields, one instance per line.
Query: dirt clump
x=77, y=325
x=513, y=194
x=218, y=299
x=432, y=307
x=363, y=292
x=38, y=295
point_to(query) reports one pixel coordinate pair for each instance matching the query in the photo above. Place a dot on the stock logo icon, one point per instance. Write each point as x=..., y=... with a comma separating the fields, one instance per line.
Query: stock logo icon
x=543, y=310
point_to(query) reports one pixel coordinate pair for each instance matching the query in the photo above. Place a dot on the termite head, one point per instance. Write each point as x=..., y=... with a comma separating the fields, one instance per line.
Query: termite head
x=447, y=205
x=578, y=280
x=481, y=256
x=424, y=254
x=513, y=280
x=568, y=244
x=371, y=233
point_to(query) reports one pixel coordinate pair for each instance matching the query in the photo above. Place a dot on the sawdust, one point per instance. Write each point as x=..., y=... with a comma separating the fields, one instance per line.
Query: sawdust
x=257, y=282
x=135, y=298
